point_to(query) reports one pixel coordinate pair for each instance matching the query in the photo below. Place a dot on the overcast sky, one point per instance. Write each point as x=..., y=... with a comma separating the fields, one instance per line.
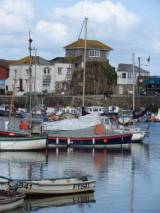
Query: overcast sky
x=126, y=25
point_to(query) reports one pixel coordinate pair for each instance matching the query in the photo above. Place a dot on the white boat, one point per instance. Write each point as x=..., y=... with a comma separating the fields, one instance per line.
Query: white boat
x=23, y=143
x=58, y=186
x=137, y=133
x=10, y=200
x=15, y=141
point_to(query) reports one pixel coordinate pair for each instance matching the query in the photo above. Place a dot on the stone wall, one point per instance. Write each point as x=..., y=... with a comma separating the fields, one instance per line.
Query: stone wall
x=121, y=101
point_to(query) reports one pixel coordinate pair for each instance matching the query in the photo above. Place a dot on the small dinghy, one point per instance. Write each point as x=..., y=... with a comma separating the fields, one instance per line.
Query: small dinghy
x=58, y=186
x=10, y=200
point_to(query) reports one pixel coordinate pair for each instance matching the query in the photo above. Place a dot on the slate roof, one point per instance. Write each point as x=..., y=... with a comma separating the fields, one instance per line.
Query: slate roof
x=58, y=60
x=4, y=64
x=90, y=44
x=129, y=68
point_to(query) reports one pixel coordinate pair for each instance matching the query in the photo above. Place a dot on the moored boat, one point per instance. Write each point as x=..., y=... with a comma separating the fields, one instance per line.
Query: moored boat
x=87, y=131
x=23, y=143
x=57, y=186
x=10, y=200
x=18, y=141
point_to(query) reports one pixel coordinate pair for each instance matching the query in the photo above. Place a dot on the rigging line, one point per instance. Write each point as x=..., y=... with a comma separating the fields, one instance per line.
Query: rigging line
x=81, y=29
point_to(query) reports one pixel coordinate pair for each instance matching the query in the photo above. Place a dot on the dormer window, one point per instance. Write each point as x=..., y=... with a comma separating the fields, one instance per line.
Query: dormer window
x=94, y=53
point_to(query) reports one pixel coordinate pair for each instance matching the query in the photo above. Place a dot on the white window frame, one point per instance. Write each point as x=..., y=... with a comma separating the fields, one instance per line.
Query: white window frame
x=94, y=53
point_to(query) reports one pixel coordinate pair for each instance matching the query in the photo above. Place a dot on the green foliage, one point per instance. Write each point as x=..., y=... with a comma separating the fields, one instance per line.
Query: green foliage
x=100, y=77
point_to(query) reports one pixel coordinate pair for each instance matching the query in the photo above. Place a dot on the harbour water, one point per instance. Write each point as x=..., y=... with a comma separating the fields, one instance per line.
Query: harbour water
x=127, y=180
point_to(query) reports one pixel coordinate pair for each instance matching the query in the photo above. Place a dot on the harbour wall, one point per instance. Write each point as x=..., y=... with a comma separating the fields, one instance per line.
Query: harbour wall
x=90, y=100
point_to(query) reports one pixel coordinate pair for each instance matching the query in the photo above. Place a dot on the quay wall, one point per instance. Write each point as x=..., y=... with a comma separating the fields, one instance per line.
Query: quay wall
x=90, y=100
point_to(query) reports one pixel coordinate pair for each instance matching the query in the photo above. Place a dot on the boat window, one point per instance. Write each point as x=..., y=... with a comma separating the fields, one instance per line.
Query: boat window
x=95, y=110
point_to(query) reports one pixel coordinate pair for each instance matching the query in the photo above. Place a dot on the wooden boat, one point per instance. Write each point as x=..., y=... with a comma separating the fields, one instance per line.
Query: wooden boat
x=23, y=143
x=86, y=131
x=12, y=140
x=117, y=140
x=10, y=200
x=58, y=186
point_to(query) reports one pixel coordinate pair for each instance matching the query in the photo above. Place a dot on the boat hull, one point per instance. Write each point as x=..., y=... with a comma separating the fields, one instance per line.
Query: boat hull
x=52, y=186
x=10, y=200
x=112, y=141
x=138, y=136
x=23, y=143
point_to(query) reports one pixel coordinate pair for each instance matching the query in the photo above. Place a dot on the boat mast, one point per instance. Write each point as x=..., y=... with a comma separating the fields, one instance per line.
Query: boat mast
x=134, y=81
x=30, y=83
x=85, y=55
x=12, y=97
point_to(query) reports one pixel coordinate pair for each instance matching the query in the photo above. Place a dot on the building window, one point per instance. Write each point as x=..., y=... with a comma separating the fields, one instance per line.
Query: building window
x=94, y=53
x=21, y=85
x=46, y=70
x=59, y=70
x=6, y=87
x=46, y=80
x=27, y=72
x=124, y=75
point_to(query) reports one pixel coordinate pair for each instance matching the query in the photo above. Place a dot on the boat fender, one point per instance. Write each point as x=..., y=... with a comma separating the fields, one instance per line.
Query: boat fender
x=23, y=125
x=99, y=129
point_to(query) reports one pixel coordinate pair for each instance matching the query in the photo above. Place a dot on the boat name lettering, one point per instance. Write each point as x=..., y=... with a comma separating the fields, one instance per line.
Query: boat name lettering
x=25, y=185
x=81, y=186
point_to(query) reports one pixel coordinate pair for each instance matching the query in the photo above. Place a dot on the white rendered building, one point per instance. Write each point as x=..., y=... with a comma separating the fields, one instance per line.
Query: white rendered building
x=125, y=77
x=45, y=76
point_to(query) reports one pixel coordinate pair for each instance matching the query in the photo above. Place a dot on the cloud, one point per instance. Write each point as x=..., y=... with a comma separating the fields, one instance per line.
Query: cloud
x=105, y=17
x=53, y=32
x=15, y=15
x=106, y=20
x=56, y=27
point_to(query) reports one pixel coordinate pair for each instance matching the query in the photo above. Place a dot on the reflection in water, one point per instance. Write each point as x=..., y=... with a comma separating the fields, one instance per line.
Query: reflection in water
x=23, y=156
x=22, y=164
x=139, y=162
x=34, y=204
x=116, y=173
